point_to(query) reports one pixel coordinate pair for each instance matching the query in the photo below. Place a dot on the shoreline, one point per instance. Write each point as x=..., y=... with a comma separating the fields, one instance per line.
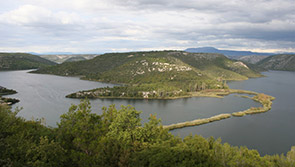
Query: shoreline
x=216, y=93
x=6, y=100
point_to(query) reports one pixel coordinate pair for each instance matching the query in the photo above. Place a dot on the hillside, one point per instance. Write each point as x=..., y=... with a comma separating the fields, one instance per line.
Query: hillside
x=76, y=58
x=160, y=74
x=22, y=61
x=61, y=58
x=229, y=53
x=284, y=62
x=253, y=59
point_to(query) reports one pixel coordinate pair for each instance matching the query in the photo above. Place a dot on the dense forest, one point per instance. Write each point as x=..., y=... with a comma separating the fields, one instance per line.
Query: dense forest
x=115, y=138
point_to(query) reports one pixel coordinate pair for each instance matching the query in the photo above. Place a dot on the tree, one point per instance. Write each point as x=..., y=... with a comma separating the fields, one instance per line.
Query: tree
x=46, y=154
x=80, y=132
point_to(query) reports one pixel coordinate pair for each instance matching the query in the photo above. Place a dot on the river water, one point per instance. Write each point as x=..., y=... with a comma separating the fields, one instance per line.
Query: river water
x=272, y=132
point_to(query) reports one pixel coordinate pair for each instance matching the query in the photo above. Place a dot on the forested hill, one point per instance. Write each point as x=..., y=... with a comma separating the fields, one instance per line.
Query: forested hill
x=22, y=61
x=132, y=64
x=284, y=62
x=168, y=72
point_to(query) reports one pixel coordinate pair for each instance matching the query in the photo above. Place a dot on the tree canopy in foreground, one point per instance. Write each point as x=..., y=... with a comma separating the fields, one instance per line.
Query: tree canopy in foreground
x=115, y=138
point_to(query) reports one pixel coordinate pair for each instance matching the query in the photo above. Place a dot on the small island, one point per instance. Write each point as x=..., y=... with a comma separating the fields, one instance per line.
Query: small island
x=5, y=100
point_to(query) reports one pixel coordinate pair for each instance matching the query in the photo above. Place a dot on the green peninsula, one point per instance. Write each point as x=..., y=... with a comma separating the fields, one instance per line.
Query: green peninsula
x=154, y=75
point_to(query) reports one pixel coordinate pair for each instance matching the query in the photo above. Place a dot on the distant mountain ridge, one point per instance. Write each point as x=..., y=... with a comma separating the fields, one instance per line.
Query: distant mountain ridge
x=225, y=52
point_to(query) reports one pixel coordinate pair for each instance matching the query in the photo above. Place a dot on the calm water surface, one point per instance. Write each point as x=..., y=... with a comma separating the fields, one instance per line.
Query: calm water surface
x=271, y=132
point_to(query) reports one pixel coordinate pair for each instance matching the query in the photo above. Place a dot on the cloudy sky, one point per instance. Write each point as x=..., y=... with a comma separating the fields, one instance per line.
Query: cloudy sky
x=99, y=26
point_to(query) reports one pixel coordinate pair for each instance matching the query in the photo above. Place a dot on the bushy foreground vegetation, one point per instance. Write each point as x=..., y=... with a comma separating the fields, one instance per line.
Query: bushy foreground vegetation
x=115, y=138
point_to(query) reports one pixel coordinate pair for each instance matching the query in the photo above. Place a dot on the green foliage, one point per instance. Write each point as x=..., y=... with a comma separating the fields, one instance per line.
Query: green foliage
x=116, y=138
x=46, y=154
x=22, y=61
x=79, y=132
x=18, y=137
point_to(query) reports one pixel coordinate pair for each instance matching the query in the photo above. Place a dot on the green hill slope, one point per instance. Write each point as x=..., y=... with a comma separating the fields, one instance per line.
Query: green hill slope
x=22, y=61
x=284, y=62
x=61, y=58
x=154, y=74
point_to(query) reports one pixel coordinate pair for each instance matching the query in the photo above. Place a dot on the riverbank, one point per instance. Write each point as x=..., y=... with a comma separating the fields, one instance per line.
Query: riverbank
x=8, y=101
x=263, y=99
x=5, y=100
x=217, y=93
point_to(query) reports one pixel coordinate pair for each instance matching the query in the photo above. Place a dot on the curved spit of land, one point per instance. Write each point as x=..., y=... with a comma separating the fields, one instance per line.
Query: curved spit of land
x=263, y=99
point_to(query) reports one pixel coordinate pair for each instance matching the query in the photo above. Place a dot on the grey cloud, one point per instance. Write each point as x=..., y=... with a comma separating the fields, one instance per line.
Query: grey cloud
x=231, y=10
x=138, y=24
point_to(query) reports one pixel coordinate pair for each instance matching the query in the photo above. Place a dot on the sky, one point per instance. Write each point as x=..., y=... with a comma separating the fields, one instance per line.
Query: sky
x=98, y=26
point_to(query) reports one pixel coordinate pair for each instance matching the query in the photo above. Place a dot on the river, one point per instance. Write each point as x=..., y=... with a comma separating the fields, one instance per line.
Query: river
x=272, y=132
